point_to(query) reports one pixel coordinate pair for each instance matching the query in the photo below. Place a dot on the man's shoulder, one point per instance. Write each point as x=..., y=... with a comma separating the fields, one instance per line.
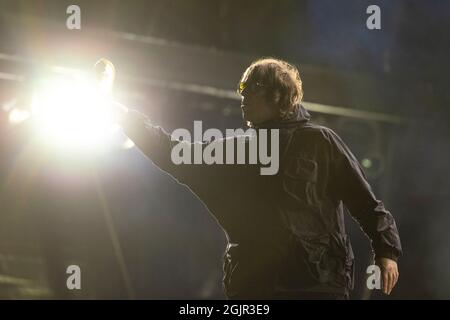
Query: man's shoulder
x=316, y=132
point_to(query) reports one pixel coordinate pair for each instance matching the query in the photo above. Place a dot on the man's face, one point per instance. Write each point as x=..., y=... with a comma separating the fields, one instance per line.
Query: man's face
x=255, y=107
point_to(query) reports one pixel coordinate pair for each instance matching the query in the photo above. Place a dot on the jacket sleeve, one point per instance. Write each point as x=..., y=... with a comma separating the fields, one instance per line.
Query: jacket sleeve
x=351, y=186
x=205, y=180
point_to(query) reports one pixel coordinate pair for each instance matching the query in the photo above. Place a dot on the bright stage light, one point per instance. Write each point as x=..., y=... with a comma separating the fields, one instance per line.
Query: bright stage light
x=72, y=113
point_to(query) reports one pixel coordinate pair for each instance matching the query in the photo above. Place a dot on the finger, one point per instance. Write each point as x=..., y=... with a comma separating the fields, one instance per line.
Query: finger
x=390, y=282
x=396, y=278
x=385, y=281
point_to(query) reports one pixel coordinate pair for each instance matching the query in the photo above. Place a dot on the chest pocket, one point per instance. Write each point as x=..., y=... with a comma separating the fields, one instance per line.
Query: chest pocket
x=300, y=180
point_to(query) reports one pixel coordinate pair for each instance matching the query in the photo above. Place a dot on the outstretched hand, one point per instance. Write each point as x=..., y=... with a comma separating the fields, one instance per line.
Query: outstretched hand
x=105, y=74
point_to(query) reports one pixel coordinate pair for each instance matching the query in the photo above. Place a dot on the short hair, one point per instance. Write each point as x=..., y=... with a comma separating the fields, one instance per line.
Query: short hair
x=283, y=82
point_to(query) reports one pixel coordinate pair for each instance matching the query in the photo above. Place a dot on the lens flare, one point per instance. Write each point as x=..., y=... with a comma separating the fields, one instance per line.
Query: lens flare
x=72, y=113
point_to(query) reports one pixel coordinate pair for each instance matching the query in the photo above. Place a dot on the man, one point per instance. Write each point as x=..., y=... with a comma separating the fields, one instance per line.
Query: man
x=286, y=233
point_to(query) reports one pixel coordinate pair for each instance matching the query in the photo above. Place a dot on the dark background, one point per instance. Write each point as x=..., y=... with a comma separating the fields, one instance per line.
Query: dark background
x=179, y=61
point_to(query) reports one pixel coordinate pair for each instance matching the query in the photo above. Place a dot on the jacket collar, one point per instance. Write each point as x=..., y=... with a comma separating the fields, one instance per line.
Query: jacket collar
x=299, y=117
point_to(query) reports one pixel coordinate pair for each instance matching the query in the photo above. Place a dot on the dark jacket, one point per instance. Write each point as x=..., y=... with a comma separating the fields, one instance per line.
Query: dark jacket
x=286, y=231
